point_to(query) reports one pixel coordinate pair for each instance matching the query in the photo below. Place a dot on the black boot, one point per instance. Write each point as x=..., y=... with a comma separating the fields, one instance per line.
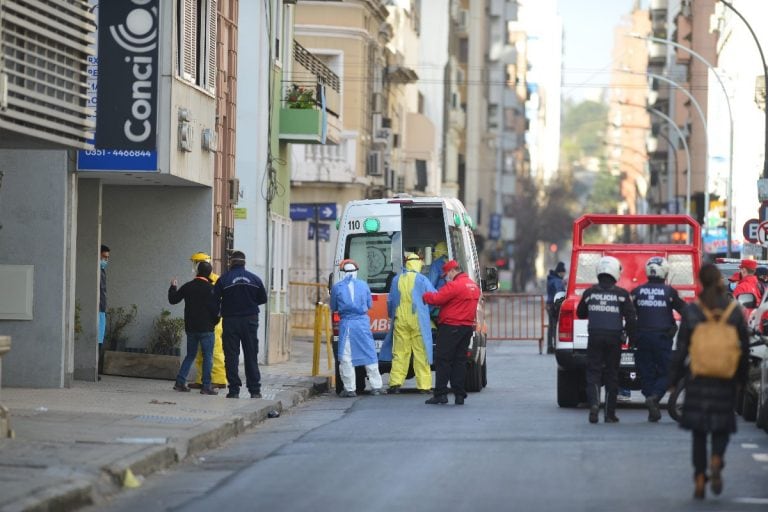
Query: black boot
x=610, y=406
x=437, y=400
x=654, y=414
x=593, y=412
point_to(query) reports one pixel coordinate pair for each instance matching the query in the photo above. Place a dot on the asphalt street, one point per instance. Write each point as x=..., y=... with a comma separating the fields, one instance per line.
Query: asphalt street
x=509, y=448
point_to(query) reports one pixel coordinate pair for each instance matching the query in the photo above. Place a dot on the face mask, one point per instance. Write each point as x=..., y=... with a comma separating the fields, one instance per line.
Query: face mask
x=103, y=264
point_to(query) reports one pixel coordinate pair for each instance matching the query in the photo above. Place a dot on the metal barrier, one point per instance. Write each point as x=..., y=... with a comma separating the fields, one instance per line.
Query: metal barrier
x=311, y=313
x=302, y=298
x=515, y=316
x=322, y=327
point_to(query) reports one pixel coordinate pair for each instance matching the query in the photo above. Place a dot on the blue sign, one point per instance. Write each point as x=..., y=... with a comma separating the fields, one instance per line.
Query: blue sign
x=109, y=159
x=116, y=160
x=323, y=231
x=306, y=211
x=494, y=229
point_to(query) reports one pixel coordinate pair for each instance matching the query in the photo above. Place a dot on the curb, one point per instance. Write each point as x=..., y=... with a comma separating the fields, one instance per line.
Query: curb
x=80, y=493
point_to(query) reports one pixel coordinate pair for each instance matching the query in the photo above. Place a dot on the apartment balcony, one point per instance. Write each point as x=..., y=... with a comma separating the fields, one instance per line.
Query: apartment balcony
x=310, y=106
x=326, y=163
x=44, y=76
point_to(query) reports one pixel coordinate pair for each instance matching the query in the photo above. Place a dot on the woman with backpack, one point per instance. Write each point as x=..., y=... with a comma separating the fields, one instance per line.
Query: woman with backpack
x=712, y=348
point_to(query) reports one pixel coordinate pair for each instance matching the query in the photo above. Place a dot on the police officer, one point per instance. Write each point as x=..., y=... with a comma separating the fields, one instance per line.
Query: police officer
x=555, y=284
x=654, y=302
x=609, y=310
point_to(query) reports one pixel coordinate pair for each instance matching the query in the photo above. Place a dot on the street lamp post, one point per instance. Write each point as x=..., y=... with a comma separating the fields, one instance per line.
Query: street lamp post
x=765, y=74
x=729, y=213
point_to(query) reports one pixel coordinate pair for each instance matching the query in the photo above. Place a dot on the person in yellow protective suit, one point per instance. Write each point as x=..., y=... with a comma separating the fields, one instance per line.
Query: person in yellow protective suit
x=412, y=333
x=218, y=374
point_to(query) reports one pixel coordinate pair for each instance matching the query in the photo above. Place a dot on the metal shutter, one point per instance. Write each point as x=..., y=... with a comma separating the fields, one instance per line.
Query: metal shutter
x=44, y=52
x=210, y=79
x=188, y=40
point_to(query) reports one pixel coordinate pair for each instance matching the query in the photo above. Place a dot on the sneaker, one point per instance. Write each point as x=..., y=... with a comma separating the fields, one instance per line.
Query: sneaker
x=624, y=396
x=256, y=395
x=458, y=400
x=376, y=392
x=593, y=411
x=393, y=390
x=611, y=418
x=208, y=391
x=654, y=414
x=181, y=387
x=195, y=385
x=347, y=394
x=437, y=400
x=233, y=394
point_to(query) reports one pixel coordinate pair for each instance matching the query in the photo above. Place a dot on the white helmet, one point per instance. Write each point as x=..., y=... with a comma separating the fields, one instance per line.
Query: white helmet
x=609, y=265
x=657, y=267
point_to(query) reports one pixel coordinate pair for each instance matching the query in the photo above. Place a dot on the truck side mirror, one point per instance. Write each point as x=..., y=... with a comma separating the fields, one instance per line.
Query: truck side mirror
x=747, y=300
x=490, y=282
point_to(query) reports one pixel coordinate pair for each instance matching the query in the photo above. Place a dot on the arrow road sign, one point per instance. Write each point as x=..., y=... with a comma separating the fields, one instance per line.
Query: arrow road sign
x=306, y=211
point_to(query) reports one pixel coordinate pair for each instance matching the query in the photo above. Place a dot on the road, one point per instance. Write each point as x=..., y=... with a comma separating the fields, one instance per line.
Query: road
x=509, y=448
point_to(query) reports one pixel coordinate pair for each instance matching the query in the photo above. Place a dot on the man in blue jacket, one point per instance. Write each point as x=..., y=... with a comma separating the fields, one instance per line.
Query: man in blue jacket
x=555, y=283
x=239, y=293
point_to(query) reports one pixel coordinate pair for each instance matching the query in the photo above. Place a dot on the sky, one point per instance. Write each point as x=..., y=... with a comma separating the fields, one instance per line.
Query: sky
x=588, y=27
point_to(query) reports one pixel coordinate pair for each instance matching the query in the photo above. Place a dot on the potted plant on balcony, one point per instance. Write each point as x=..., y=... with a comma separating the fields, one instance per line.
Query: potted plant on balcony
x=300, y=97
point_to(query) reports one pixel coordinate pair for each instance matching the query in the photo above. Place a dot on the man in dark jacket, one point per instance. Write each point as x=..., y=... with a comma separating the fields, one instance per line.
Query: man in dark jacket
x=555, y=283
x=200, y=318
x=458, y=300
x=655, y=302
x=238, y=294
x=609, y=310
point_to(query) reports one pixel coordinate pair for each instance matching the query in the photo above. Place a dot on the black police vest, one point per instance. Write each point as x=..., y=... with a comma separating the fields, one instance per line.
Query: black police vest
x=604, y=309
x=654, y=307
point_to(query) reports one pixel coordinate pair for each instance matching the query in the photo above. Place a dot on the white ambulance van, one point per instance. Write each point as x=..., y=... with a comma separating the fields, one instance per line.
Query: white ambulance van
x=377, y=232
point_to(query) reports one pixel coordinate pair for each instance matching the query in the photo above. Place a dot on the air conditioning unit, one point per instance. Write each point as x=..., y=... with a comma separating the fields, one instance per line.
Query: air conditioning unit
x=375, y=165
x=382, y=136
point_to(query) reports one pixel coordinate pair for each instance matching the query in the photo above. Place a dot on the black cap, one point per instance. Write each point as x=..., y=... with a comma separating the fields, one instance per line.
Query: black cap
x=560, y=267
x=761, y=271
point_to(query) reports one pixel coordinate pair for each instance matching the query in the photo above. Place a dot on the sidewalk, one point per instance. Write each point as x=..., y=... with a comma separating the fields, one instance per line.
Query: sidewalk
x=75, y=446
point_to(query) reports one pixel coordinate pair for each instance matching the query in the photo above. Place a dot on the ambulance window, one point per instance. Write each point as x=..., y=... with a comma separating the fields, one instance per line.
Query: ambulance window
x=372, y=253
x=460, y=251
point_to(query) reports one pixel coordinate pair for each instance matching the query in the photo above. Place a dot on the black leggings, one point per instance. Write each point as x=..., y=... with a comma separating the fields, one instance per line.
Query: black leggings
x=719, y=443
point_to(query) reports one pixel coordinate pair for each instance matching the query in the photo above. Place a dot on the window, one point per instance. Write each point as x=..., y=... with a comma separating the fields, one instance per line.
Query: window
x=197, y=42
x=373, y=253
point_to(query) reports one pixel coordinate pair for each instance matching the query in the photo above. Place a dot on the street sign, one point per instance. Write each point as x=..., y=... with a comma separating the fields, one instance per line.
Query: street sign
x=323, y=232
x=763, y=211
x=762, y=233
x=750, y=230
x=494, y=231
x=306, y=211
x=762, y=190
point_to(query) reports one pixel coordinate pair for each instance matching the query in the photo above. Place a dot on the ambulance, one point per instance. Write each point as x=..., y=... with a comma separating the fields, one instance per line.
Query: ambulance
x=376, y=233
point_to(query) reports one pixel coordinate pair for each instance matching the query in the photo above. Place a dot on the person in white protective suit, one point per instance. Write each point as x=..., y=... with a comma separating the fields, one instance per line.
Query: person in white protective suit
x=351, y=298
